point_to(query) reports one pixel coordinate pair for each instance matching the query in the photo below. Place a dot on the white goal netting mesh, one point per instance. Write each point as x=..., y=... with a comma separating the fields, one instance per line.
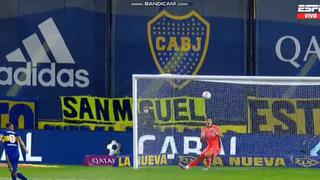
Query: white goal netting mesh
x=267, y=117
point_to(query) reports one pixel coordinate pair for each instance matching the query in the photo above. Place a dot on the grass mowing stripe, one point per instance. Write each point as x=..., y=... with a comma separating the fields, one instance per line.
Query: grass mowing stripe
x=164, y=173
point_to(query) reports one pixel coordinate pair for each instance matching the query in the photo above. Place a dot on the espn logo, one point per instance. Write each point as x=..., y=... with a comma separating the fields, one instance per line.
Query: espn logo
x=49, y=74
x=308, y=11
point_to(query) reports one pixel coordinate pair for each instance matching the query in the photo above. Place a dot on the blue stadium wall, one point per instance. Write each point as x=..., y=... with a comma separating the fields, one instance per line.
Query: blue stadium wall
x=108, y=42
x=285, y=45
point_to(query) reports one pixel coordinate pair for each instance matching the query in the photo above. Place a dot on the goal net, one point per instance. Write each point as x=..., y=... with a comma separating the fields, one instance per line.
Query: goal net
x=266, y=121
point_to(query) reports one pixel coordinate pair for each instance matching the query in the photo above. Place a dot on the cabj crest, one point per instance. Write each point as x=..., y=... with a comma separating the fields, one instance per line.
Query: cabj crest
x=178, y=44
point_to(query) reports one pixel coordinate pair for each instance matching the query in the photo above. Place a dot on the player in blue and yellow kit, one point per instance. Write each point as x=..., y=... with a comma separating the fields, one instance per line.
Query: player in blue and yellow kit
x=11, y=141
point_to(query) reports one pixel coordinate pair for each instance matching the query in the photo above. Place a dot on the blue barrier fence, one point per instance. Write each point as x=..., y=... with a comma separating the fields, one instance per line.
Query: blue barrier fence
x=65, y=147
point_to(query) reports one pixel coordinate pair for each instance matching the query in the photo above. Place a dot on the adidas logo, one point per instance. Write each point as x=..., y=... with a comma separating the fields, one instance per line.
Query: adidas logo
x=50, y=74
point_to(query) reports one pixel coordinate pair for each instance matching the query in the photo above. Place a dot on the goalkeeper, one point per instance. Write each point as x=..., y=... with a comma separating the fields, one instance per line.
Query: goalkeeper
x=212, y=135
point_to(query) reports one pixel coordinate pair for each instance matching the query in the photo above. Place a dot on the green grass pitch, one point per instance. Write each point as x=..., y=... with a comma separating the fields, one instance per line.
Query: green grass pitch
x=164, y=173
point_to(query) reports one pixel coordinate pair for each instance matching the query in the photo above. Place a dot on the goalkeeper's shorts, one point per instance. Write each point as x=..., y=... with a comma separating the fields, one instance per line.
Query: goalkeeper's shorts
x=210, y=152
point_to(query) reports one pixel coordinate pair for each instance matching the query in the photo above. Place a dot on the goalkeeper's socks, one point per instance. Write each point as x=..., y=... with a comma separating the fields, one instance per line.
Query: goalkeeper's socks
x=208, y=161
x=21, y=176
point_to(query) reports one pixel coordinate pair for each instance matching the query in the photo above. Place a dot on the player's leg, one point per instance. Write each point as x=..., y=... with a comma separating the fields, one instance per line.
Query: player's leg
x=21, y=176
x=11, y=169
x=14, y=164
x=207, y=161
x=210, y=156
x=216, y=153
x=193, y=163
x=197, y=160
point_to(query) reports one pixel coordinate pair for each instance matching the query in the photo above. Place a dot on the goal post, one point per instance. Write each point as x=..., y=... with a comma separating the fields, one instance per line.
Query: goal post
x=169, y=110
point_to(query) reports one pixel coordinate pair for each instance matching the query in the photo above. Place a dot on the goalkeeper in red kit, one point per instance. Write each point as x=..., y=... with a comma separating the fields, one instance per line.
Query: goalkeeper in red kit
x=212, y=135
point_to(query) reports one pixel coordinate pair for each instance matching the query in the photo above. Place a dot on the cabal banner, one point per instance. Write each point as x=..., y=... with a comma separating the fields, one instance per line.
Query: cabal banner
x=237, y=150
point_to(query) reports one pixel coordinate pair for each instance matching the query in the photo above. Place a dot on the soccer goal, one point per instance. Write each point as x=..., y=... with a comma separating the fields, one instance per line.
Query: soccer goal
x=280, y=113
